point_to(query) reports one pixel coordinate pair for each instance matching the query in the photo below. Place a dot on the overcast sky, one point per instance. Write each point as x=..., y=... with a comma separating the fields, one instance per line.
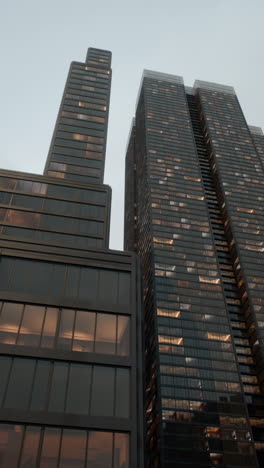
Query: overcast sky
x=212, y=40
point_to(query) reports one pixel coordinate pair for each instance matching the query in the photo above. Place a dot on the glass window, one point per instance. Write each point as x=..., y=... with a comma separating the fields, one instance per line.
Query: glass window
x=50, y=448
x=122, y=393
x=108, y=285
x=100, y=449
x=30, y=330
x=121, y=451
x=5, y=363
x=105, y=338
x=9, y=322
x=40, y=387
x=66, y=329
x=123, y=336
x=58, y=387
x=124, y=288
x=5, y=198
x=21, y=378
x=83, y=339
x=23, y=218
x=7, y=182
x=73, y=449
x=78, y=396
x=72, y=281
x=30, y=447
x=27, y=201
x=102, y=403
x=10, y=443
x=49, y=328
x=88, y=284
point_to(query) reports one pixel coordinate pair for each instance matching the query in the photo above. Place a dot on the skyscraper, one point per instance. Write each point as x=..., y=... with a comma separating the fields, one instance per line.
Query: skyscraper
x=194, y=204
x=70, y=359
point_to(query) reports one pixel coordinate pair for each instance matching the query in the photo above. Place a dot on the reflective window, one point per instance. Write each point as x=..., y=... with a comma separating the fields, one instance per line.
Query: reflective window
x=50, y=448
x=30, y=447
x=21, y=378
x=58, y=387
x=79, y=389
x=10, y=443
x=105, y=338
x=83, y=339
x=102, y=402
x=10, y=321
x=100, y=449
x=72, y=330
x=73, y=449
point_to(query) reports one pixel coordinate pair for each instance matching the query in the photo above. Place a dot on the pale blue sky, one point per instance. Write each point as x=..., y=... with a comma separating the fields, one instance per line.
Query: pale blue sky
x=219, y=41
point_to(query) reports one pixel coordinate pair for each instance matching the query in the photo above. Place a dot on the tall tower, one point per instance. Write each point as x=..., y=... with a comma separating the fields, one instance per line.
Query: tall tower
x=70, y=359
x=194, y=214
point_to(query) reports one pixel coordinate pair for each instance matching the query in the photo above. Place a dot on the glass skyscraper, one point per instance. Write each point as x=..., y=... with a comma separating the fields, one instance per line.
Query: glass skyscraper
x=70, y=323
x=194, y=204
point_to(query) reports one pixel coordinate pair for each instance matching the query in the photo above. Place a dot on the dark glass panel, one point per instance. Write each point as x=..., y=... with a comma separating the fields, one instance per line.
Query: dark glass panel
x=88, y=284
x=2, y=213
x=105, y=338
x=124, y=288
x=66, y=329
x=5, y=363
x=58, y=280
x=102, y=403
x=123, y=336
x=40, y=387
x=27, y=201
x=100, y=449
x=18, y=232
x=7, y=182
x=72, y=281
x=108, y=286
x=50, y=448
x=73, y=449
x=41, y=278
x=122, y=393
x=10, y=443
x=9, y=322
x=121, y=451
x=21, y=378
x=30, y=447
x=78, y=395
x=30, y=330
x=58, y=387
x=5, y=198
x=83, y=339
x=6, y=267
x=49, y=328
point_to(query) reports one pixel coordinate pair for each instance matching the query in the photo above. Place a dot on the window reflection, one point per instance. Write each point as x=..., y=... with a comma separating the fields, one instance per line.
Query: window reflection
x=30, y=329
x=80, y=331
x=121, y=451
x=9, y=322
x=100, y=449
x=50, y=448
x=73, y=449
x=30, y=447
x=83, y=339
x=10, y=443
x=105, y=339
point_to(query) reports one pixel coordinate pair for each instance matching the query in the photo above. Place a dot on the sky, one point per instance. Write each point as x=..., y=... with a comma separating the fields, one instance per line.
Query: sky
x=217, y=40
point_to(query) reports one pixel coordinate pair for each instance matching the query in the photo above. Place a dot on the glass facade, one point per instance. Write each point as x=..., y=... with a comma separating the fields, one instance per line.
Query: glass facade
x=193, y=214
x=78, y=146
x=70, y=323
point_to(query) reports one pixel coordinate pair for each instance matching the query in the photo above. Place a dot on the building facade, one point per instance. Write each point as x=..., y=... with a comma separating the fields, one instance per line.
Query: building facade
x=70, y=322
x=194, y=204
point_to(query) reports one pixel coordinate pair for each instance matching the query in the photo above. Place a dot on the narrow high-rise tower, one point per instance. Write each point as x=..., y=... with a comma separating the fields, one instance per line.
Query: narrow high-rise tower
x=70, y=358
x=194, y=214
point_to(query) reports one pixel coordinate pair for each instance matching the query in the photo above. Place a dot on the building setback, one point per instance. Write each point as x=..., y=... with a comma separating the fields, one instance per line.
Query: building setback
x=194, y=208
x=70, y=358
